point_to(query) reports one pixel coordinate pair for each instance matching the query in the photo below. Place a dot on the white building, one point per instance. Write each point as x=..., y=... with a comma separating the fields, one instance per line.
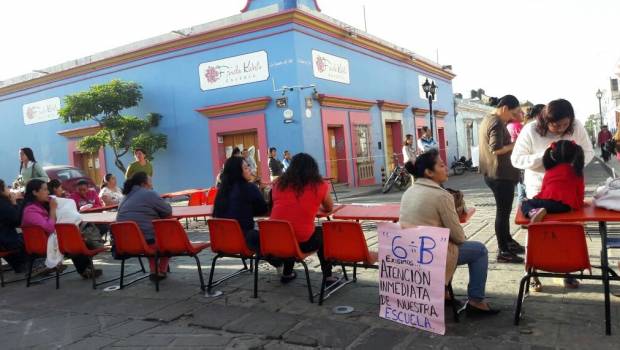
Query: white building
x=469, y=115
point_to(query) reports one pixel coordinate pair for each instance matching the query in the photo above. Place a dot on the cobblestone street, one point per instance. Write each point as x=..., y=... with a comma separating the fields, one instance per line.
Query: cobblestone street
x=179, y=316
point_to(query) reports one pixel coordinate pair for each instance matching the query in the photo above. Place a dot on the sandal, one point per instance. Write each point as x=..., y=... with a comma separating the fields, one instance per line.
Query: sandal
x=289, y=278
x=535, y=285
x=329, y=281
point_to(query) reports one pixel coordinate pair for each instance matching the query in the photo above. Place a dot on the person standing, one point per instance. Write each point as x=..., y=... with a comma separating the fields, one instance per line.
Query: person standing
x=499, y=173
x=408, y=149
x=29, y=168
x=275, y=166
x=286, y=160
x=141, y=164
x=556, y=123
x=603, y=137
x=617, y=144
x=426, y=141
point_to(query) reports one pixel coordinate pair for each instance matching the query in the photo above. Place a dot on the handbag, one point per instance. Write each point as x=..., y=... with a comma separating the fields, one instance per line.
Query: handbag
x=459, y=200
x=608, y=195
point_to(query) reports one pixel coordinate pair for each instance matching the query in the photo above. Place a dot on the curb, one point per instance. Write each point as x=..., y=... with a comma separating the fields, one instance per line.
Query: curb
x=359, y=194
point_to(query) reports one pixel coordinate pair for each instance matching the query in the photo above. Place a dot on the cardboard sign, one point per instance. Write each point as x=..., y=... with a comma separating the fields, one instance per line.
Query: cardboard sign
x=412, y=272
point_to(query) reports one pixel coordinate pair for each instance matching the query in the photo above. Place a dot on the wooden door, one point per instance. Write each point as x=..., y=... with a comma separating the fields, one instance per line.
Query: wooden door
x=442, y=144
x=333, y=154
x=363, y=159
x=243, y=140
x=89, y=163
x=389, y=147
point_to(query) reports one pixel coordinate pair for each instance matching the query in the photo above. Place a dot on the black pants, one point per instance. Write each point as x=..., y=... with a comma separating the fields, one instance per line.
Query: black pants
x=605, y=154
x=315, y=242
x=551, y=206
x=504, y=192
x=18, y=260
x=253, y=241
x=80, y=263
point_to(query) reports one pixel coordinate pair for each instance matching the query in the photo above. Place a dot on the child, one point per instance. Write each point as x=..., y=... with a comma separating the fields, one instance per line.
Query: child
x=562, y=189
x=563, y=186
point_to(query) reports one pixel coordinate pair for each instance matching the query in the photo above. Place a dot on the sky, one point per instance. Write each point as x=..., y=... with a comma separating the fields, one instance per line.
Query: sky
x=537, y=50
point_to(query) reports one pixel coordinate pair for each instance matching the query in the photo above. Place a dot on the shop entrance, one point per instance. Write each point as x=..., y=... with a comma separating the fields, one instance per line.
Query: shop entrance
x=90, y=164
x=441, y=135
x=393, y=143
x=337, y=154
x=244, y=140
x=363, y=157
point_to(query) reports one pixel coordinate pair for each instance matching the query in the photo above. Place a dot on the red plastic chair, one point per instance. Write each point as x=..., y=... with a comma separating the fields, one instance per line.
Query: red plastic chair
x=227, y=240
x=4, y=254
x=278, y=240
x=71, y=244
x=210, y=198
x=171, y=241
x=35, y=245
x=129, y=243
x=196, y=199
x=344, y=244
x=554, y=249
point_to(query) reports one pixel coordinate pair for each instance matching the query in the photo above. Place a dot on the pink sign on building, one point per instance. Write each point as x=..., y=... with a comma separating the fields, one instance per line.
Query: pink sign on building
x=412, y=265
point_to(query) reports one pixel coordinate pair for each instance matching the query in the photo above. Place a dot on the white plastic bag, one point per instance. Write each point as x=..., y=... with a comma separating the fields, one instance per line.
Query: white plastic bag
x=54, y=257
x=608, y=195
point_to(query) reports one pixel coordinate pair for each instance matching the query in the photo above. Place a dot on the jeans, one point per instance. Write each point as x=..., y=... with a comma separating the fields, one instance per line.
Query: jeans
x=476, y=256
x=315, y=242
x=504, y=192
x=253, y=242
x=551, y=206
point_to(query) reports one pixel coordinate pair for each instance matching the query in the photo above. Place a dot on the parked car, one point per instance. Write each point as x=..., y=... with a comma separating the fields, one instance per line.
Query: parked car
x=68, y=176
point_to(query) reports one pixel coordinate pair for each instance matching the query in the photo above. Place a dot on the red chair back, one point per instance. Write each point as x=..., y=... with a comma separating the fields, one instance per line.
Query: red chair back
x=557, y=247
x=210, y=198
x=197, y=199
x=344, y=241
x=171, y=237
x=70, y=241
x=226, y=237
x=278, y=240
x=35, y=240
x=128, y=239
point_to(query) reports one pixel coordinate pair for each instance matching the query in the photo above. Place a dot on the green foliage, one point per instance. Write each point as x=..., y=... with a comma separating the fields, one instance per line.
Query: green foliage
x=103, y=103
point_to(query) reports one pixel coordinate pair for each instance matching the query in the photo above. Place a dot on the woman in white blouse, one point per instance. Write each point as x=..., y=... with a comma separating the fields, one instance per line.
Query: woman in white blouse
x=110, y=193
x=557, y=122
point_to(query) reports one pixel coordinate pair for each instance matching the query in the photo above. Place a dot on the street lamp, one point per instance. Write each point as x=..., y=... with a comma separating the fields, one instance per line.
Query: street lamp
x=599, y=95
x=429, y=90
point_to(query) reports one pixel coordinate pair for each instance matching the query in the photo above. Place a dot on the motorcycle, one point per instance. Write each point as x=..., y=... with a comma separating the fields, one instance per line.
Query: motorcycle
x=459, y=166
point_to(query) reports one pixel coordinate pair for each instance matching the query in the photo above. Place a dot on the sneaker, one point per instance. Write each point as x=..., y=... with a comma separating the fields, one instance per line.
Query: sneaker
x=509, y=258
x=515, y=248
x=537, y=215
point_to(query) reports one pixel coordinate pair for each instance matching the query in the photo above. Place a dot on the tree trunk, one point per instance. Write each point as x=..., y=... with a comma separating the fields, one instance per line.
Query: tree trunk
x=119, y=164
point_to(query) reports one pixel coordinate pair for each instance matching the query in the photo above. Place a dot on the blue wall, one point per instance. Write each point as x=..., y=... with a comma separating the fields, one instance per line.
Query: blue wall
x=171, y=87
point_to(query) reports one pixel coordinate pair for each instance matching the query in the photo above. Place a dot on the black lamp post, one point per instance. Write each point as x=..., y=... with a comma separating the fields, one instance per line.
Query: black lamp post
x=599, y=95
x=429, y=90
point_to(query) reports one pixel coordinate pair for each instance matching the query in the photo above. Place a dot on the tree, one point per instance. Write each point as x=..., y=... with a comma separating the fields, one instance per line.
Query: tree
x=103, y=104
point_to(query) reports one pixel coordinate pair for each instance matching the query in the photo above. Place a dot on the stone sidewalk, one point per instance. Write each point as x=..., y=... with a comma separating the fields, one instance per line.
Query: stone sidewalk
x=181, y=317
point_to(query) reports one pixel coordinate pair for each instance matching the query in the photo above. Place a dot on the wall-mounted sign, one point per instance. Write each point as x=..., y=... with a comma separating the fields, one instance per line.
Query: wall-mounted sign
x=421, y=80
x=281, y=102
x=41, y=111
x=329, y=67
x=231, y=71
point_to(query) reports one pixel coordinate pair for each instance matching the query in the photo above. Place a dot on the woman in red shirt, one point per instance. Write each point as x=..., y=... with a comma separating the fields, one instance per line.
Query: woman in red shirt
x=297, y=195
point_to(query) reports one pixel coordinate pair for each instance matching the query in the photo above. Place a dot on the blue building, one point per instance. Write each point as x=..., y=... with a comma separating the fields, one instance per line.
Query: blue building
x=278, y=74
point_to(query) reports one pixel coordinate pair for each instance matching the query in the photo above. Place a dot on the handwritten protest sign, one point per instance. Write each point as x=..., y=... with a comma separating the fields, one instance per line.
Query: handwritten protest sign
x=412, y=266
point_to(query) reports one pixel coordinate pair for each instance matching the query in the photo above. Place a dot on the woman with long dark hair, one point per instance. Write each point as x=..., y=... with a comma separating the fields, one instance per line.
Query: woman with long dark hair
x=499, y=174
x=9, y=238
x=40, y=210
x=297, y=195
x=29, y=168
x=238, y=198
x=142, y=205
